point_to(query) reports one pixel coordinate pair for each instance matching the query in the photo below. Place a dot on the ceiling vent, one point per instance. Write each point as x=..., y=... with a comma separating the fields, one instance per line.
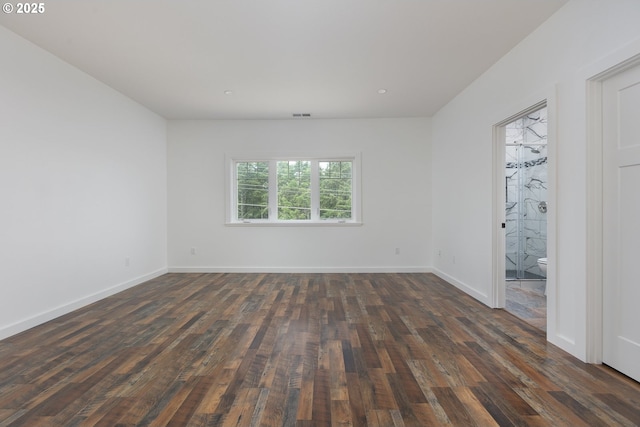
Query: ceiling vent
x=301, y=114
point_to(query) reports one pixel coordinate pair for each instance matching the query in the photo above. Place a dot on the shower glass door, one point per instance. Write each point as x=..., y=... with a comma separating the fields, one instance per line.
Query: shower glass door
x=526, y=195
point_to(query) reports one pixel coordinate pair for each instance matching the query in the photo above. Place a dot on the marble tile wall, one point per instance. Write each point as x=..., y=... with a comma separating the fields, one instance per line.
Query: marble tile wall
x=526, y=191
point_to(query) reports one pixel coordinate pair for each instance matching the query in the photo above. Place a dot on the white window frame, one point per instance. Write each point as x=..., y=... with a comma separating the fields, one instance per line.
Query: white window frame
x=231, y=205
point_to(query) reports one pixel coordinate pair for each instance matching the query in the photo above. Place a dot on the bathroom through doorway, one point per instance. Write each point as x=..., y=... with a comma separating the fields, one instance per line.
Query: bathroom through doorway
x=525, y=225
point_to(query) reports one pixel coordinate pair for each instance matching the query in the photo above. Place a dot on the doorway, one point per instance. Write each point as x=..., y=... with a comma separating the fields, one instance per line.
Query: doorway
x=524, y=203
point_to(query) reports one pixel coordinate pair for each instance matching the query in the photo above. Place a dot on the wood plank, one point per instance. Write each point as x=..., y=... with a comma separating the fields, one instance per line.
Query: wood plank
x=358, y=413
x=454, y=408
x=474, y=408
x=321, y=413
x=549, y=408
x=577, y=409
x=629, y=410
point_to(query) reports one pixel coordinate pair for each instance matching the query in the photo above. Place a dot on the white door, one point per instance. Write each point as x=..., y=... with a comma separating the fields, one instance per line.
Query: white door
x=621, y=216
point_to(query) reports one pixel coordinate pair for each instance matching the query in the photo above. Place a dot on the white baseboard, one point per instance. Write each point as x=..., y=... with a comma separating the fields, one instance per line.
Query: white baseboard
x=421, y=269
x=483, y=298
x=38, y=319
x=567, y=344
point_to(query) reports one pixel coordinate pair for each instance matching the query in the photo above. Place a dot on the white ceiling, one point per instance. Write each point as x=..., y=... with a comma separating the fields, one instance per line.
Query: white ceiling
x=324, y=57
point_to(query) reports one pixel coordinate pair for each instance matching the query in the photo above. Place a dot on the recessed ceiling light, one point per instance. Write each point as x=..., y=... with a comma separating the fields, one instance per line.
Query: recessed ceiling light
x=382, y=91
x=228, y=92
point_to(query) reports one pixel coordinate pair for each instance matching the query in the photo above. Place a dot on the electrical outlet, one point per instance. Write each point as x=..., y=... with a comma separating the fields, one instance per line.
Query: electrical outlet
x=127, y=262
x=193, y=251
x=397, y=251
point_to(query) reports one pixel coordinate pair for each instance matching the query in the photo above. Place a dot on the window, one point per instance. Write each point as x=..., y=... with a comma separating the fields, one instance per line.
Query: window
x=253, y=190
x=336, y=189
x=286, y=190
x=294, y=189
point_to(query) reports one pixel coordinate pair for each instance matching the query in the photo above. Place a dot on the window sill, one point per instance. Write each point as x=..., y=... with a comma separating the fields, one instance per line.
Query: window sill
x=294, y=224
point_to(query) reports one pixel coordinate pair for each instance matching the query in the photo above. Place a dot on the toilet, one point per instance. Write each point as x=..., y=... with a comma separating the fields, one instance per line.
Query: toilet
x=542, y=263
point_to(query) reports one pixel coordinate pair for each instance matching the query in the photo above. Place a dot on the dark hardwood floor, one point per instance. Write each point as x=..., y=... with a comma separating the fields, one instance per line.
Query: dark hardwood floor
x=301, y=350
x=527, y=301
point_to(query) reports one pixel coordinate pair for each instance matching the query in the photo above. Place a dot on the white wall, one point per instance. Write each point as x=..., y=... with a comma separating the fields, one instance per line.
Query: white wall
x=396, y=183
x=82, y=187
x=547, y=63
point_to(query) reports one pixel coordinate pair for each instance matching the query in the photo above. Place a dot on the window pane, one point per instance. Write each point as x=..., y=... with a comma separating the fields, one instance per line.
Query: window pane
x=253, y=190
x=294, y=190
x=335, y=190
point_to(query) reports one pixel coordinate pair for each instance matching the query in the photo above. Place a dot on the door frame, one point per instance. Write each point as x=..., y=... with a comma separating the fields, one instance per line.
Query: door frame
x=547, y=98
x=499, y=136
x=616, y=63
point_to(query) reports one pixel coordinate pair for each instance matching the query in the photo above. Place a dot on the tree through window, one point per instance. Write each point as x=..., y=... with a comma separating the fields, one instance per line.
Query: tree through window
x=294, y=190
